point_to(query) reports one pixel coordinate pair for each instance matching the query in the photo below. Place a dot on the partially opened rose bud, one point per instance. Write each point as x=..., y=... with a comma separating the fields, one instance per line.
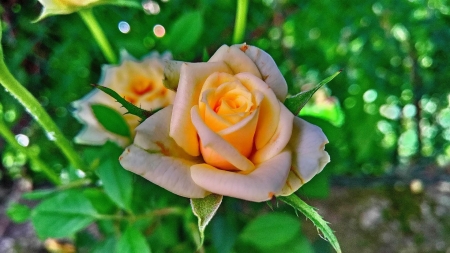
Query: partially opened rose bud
x=60, y=7
x=139, y=82
x=228, y=132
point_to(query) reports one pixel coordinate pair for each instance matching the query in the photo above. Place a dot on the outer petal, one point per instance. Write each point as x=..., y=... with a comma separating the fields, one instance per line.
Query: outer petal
x=268, y=69
x=262, y=184
x=192, y=77
x=213, y=141
x=237, y=60
x=279, y=140
x=308, y=154
x=157, y=158
x=172, y=174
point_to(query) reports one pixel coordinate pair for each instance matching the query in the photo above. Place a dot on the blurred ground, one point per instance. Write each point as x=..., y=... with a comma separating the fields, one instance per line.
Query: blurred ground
x=365, y=220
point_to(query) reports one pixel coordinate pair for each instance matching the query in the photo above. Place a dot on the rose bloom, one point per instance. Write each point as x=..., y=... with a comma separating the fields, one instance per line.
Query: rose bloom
x=228, y=132
x=139, y=82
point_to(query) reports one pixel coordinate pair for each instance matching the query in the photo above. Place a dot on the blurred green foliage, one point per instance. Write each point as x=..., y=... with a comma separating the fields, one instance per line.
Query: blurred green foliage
x=388, y=110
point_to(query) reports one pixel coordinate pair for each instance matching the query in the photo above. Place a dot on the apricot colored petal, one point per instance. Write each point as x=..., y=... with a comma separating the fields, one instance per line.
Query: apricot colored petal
x=268, y=69
x=308, y=154
x=217, y=144
x=156, y=157
x=269, y=109
x=279, y=140
x=237, y=60
x=192, y=77
x=171, y=173
x=262, y=184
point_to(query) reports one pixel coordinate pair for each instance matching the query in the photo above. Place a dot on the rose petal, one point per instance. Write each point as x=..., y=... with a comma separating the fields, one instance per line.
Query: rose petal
x=237, y=60
x=268, y=69
x=214, y=143
x=279, y=140
x=269, y=106
x=172, y=174
x=261, y=184
x=192, y=77
x=153, y=135
x=156, y=157
x=308, y=155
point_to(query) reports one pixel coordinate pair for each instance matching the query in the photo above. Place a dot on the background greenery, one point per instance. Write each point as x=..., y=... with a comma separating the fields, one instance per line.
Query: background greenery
x=387, y=116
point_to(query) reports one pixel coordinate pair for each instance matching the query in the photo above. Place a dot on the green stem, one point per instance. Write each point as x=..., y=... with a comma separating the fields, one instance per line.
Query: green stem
x=240, y=22
x=34, y=159
x=89, y=19
x=155, y=213
x=34, y=108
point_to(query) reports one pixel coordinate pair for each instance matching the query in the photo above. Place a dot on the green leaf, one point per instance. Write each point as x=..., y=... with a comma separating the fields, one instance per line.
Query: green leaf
x=106, y=246
x=18, y=213
x=63, y=215
x=132, y=241
x=38, y=194
x=298, y=204
x=101, y=202
x=185, y=32
x=205, y=209
x=131, y=108
x=111, y=120
x=296, y=102
x=271, y=230
x=117, y=182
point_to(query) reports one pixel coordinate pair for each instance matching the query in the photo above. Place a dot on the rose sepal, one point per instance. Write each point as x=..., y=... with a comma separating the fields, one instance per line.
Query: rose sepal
x=295, y=103
x=205, y=209
x=310, y=213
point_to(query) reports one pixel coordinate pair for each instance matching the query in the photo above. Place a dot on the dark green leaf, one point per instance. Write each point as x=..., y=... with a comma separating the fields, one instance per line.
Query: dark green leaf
x=296, y=102
x=101, y=202
x=106, y=246
x=131, y=108
x=185, y=32
x=63, y=215
x=132, y=241
x=18, y=213
x=205, y=209
x=271, y=230
x=117, y=181
x=111, y=120
x=294, y=201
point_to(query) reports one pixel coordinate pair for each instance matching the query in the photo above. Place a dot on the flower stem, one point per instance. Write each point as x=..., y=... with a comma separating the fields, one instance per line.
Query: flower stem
x=241, y=21
x=34, y=108
x=34, y=159
x=89, y=19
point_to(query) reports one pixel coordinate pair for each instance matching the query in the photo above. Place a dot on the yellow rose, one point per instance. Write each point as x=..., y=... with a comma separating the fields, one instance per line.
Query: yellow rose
x=227, y=132
x=139, y=82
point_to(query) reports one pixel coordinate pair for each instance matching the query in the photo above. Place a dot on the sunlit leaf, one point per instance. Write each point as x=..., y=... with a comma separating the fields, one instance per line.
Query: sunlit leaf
x=271, y=230
x=296, y=102
x=111, y=120
x=63, y=215
x=18, y=212
x=205, y=209
x=294, y=201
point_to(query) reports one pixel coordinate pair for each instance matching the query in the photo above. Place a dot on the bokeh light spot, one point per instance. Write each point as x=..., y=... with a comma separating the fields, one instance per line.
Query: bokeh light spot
x=159, y=31
x=124, y=27
x=23, y=140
